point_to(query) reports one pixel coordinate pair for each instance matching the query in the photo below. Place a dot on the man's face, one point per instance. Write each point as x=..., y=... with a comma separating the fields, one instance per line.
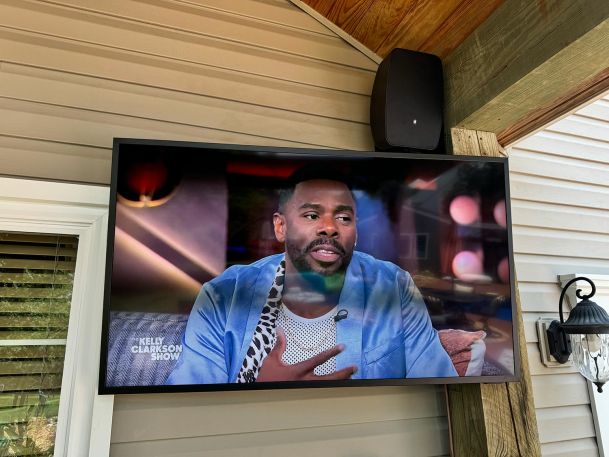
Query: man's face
x=318, y=227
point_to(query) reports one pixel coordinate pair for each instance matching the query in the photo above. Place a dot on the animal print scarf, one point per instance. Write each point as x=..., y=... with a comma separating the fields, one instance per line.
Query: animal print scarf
x=265, y=336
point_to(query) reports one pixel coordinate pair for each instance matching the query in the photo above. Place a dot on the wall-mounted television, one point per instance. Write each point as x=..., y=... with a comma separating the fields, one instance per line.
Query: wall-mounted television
x=247, y=267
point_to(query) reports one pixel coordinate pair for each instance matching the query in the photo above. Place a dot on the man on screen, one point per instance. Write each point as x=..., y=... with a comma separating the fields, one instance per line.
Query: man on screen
x=320, y=311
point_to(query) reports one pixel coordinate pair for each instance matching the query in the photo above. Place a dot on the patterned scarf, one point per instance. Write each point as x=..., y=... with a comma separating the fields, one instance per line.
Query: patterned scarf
x=264, y=337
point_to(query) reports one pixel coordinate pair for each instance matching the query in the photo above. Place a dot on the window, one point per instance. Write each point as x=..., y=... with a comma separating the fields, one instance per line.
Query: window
x=36, y=277
x=75, y=216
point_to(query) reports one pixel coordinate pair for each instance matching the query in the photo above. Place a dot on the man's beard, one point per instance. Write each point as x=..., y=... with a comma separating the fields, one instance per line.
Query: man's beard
x=300, y=259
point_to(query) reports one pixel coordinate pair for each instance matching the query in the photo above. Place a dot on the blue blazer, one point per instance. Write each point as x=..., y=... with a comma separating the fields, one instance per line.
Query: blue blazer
x=387, y=334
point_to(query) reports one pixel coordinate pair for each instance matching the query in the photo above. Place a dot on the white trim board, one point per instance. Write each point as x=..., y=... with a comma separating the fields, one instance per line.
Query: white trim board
x=85, y=418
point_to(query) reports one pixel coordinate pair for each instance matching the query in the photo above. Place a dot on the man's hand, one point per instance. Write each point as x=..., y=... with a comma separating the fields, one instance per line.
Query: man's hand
x=273, y=369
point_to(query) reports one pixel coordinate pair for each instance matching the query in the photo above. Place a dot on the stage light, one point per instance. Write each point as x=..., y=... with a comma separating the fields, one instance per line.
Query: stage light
x=147, y=184
x=467, y=266
x=464, y=210
x=503, y=270
x=500, y=214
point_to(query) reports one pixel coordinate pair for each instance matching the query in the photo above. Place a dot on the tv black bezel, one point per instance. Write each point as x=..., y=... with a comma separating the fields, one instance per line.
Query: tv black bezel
x=254, y=149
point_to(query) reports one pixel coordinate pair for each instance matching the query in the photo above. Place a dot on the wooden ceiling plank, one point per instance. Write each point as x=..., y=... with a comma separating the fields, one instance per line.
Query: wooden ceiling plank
x=347, y=14
x=412, y=32
x=524, y=57
x=323, y=7
x=458, y=26
x=426, y=25
x=380, y=21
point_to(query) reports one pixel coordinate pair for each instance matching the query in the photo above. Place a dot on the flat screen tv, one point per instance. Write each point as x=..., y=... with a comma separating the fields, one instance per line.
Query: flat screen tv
x=246, y=267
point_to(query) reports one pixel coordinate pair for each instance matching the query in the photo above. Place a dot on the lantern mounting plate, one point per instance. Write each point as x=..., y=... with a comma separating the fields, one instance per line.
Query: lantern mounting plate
x=543, y=324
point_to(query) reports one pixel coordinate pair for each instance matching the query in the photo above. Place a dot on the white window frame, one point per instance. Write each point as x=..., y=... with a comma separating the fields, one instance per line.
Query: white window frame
x=85, y=418
x=599, y=402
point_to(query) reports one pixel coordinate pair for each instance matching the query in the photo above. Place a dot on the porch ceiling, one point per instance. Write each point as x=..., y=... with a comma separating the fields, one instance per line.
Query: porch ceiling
x=433, y=26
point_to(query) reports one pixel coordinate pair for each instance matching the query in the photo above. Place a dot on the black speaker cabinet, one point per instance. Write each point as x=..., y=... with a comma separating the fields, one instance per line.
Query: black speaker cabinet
x=407, y=101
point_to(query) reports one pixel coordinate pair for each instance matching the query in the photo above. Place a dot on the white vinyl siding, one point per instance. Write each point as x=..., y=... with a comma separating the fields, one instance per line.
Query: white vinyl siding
x=76, y=73
x=560, y=213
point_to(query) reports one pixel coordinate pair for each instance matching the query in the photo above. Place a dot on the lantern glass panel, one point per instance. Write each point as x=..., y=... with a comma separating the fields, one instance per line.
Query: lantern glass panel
x=591, y=355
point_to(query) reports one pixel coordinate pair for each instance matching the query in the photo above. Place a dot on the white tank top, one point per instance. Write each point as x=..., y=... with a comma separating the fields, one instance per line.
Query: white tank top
x=306, y=338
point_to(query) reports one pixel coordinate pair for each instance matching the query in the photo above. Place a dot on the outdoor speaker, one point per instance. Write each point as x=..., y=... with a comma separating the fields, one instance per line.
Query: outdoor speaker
x=407, y=101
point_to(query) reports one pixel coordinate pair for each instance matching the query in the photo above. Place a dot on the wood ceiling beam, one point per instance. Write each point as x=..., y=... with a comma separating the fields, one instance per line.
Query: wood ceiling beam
x=523, y=62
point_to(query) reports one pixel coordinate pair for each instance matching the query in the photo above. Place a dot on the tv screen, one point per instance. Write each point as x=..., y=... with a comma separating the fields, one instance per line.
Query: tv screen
x=241, y=267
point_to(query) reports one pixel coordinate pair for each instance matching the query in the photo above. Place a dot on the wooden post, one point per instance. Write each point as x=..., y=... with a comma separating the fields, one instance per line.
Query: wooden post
x=495, y=420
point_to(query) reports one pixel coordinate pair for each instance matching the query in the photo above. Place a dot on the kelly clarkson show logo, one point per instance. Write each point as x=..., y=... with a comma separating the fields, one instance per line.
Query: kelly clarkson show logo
x=155, y=347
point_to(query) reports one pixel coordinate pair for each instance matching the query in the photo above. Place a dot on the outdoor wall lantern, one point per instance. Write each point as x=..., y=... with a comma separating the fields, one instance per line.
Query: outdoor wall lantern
x=585, y=334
